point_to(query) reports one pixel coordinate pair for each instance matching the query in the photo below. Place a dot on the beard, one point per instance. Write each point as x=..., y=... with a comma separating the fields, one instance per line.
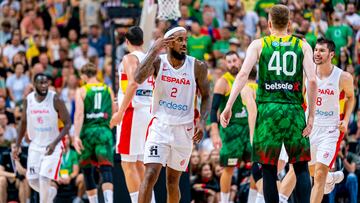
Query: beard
x=40, y=93
x=234, y=70
x=177, y=55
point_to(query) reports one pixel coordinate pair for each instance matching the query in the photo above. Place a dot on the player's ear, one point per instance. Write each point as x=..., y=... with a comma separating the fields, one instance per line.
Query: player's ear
x=332, y=54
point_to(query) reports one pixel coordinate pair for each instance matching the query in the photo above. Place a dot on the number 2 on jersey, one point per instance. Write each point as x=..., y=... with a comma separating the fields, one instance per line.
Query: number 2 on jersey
x=173, y=92
x=97, y=100
x=275, y=57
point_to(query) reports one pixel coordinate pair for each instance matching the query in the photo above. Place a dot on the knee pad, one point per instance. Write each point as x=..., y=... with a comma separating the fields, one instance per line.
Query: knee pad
x=106, y=174
x=256, y=171
x=89, y=178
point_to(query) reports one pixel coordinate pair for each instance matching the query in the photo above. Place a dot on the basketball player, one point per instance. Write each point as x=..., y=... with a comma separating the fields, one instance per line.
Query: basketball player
x=280, y=119
x=330, y=123
x=171, y=132
x=133, y=114
x=93, y=138
x=40, y=120
x=233, y=141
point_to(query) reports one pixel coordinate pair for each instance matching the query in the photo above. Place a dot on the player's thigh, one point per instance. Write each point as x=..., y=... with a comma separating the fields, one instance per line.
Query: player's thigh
x=235, y=145
x=181, y=147
x=297, y=146
x=50, y=165
x=88, y=137
x=104, y=147
x=157, y=146
x=327, y=144
x=268, y=136
x=33, y=162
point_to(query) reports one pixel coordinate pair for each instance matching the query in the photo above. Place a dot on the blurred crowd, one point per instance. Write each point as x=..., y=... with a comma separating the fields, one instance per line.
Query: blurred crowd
x=58, y=36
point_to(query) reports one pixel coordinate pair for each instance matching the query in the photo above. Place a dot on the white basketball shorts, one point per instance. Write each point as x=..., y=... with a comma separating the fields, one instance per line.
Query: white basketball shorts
x=38, y=164
x=169, y=145
x=131, y=134
x=324, y=144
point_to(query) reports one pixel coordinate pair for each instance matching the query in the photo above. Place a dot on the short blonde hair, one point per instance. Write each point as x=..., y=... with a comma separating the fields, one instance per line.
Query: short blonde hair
x=89, y=69
x=280, y=16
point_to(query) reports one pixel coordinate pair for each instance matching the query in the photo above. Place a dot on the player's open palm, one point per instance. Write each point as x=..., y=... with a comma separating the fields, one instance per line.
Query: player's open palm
x=225, y=117
x=199, y=132
x=216, y=140
x=78, y=145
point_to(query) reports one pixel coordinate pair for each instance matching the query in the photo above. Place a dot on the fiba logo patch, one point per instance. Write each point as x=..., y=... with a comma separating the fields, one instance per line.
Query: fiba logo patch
x=153, y=151
x=326, y=155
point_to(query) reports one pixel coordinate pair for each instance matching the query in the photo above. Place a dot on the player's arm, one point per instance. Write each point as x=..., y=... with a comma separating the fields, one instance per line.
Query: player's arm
x=247, y=95
x=151, y=63
x=252, y=55
x=219, y=93
x=21, y=130
x=347, y=85
x=310, y=71
x=202, y=83
x=79, y=118
x=65, y=117
x=130, y=63
x=5, y=173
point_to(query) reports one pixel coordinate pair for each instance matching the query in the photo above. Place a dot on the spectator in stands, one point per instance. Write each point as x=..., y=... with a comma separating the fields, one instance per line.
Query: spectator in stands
x=11, y=49
x=90, y=14
x=341, y=32
x=198, y=44
x=221, y=46
x=31, y=24
x=70, y=171
x=349, y=185
x=12, y=175
x=10, y=133
x=5, y=33
x=318, y=26
x=9, y=115
x=97, y=40
x=205, y=188
x=16, y=83
x=208, y=28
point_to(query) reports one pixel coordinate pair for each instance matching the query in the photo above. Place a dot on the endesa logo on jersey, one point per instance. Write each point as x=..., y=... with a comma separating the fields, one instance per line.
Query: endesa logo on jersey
x=172, y=105
x=282, y=86
x=324, y=113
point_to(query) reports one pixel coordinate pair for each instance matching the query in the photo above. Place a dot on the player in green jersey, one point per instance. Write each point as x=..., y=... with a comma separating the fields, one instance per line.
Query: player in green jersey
x=233, y=141
x=283, y=59
x=93, y=137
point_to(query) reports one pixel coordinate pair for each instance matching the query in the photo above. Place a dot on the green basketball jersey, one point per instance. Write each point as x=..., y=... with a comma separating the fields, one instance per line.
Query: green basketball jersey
x=239, y=112
x=281, y=70
x=97, y=105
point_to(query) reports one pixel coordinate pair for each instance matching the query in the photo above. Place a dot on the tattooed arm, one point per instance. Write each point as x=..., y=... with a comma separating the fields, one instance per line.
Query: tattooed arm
x=202, y=83
x=151, y=64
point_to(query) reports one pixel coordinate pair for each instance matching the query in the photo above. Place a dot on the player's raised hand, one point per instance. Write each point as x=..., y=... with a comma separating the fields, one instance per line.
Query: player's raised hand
x=78, y=145
x=116, y=119
x=343, y=125
x=225, y=117
x=161, y=43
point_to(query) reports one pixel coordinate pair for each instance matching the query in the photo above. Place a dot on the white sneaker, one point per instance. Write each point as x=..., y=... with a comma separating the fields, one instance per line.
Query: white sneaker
x=332, y=179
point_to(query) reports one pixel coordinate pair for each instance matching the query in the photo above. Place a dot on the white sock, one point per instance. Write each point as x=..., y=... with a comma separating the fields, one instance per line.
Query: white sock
x=44, y=189
x=260, y=198
x=283, y=198
x=153, y=197
x=108, y=196
x=224, y=197
x=93, y=199
x=252, y=196
x=134, y=197
x=52, y=194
